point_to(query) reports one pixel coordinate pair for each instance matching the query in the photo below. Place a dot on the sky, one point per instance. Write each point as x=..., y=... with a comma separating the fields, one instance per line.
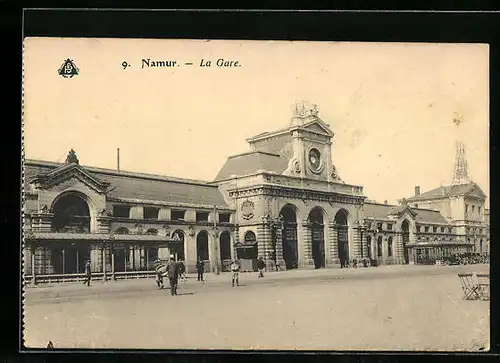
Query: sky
x=391, y=106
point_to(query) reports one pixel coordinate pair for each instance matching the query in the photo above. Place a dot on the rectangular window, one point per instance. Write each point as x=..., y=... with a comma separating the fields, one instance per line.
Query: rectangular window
x=478, y=210
x=450, y=230
x=434, y=229
x=473, y=209
x=389, y=226
x=151, y=212
x=379, y=226
x=224, y=217
x=466, y=208
x=201, y=216
x=442, y=229
x=178, y=215
x=427, y=228
x=122, y=211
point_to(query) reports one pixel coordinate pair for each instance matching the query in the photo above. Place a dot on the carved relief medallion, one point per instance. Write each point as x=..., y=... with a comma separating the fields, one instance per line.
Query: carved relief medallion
x=247, y=209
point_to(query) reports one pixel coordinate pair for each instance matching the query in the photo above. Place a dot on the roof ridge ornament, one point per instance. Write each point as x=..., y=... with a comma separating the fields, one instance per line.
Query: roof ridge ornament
x=72, y=158
x=304, y=111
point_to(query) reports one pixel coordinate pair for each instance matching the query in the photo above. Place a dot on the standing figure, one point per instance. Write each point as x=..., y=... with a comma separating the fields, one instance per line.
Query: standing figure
x=88, y=273
x=235, y=270
x=160, y=269
x=173, y=274
x=261, y=265
x=200, y=267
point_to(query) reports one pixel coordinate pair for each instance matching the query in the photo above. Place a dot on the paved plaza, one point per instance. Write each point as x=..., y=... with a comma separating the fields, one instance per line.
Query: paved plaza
x=383, y=308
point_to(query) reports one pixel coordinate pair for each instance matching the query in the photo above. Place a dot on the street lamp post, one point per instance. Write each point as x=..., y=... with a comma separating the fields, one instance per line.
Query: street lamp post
x=216, y=234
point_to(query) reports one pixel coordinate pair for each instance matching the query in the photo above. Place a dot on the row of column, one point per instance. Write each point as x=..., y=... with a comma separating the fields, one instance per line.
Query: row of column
x=357, y=244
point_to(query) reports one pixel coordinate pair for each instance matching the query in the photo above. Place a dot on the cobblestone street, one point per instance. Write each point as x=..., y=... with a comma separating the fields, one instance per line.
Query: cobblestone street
x=385, y=308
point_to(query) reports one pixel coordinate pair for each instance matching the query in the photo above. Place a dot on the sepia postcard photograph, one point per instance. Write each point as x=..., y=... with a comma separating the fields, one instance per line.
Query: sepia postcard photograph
x=255, y=195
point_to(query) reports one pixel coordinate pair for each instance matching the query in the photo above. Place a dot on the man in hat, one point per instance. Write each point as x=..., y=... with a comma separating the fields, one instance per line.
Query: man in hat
x=88, y=273
x=173, y=275
x=235, y=271
x=200, y=268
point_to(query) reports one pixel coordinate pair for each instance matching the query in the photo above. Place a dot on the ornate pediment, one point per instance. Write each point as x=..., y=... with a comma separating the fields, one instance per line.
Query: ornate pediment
x=475, y=192
x=318, y=126
x=67, y=172
x=403, y=209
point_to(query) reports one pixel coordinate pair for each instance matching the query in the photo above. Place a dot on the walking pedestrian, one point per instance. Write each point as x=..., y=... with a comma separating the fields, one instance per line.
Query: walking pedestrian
x=182, y=270
x=160, y=269
x=173, y=275
x=261, y=265
x=200, y=267
x=235, y=271
x=88, y=273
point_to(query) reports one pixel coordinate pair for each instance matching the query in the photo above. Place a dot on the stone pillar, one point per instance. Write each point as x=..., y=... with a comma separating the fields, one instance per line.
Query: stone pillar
x=33, y=266
x=358, y=243
x=279, y=246
x=332, y=240
x=96, y=258
x=306, y=246
x=113, y=276
x=265, y=242
x=398, y=248
x=103, y=263
x=103, y=224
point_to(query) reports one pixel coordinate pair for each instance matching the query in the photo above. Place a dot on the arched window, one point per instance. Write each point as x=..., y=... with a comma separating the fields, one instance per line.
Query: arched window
x=122, y=230
x=202, y=245
x=152, y=232
x=250, y=238
x=389, y=247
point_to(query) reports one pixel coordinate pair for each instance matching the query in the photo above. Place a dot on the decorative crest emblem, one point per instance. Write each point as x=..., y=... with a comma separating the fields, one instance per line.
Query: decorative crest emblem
x=68, y=69
x=247, y=209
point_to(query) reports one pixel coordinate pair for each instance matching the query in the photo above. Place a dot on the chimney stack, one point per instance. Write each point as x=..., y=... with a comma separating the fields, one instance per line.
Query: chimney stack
x=417, y=190
x=118, y=159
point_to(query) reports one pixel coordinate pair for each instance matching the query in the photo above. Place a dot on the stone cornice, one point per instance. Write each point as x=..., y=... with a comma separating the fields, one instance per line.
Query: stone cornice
x=295, y=193
x=161, y=203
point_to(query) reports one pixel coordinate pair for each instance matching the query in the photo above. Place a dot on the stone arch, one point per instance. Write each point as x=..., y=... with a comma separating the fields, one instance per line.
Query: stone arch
x=341, y=221
x=289, y=213
x=202, y=245
x=122, y=230
x=380, y=247
x=405, y=233
x=152, y=232
x=72, y=213
x=369, y=246
x=177, y=247
x=225, y=246
x=317, y=218
x=92, y=212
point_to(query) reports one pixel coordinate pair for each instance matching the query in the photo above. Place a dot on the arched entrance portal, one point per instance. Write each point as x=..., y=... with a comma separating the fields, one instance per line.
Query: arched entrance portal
x=71, y=214
x=317, y=237
x=342, y=236
x=202, y=245
x=290, y=245
x=225, y=247
x=177, y=245
x=369, y=246
x=405, y=228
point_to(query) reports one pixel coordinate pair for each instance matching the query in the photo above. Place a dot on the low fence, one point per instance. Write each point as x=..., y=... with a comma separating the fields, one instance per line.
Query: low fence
x=96, y=276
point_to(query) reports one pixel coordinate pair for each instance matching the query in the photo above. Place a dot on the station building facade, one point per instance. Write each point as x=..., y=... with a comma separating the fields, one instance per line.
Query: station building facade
x=122, y=222
x=284, y=201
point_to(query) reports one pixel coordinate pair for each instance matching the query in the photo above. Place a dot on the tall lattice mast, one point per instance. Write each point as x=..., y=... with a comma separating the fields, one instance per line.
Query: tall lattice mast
x=460, y=174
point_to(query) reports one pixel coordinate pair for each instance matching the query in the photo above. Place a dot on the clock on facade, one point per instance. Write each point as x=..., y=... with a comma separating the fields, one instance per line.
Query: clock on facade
x=314, y=159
